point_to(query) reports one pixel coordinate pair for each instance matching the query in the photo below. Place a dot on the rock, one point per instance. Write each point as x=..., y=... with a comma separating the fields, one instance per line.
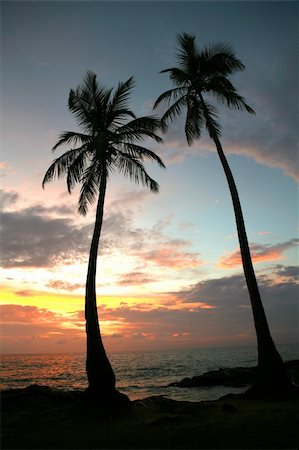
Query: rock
x=227, y=407
x=238, y=376
x=233, y=377
x=293, y=370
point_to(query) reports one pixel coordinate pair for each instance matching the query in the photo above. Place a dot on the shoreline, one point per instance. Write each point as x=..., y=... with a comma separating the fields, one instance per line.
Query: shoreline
x=39, y=417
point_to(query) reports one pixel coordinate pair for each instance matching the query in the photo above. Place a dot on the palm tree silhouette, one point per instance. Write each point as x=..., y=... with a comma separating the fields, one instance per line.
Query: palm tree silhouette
x=109, y=142
x=202, y=73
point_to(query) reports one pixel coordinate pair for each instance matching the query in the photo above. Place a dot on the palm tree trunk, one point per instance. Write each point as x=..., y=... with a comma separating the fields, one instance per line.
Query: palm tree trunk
x=101, y=378
x=272, y=376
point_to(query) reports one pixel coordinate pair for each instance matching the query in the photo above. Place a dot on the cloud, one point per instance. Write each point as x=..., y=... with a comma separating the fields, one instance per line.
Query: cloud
x=26, y=314
x=63, y=285
x=26, y=329
x=7, y=199
x=135, y=278
x=271, y=136
x=259, y=253
x=149, y=246
x=291, y=272
x=26, y=293
x=214, y=311
x=232, y=314
x=210, y=312
x=3, y=165
x=33, y=238
x=127, y=198
x=45, y=237
x=169, y=256
x=35, y=241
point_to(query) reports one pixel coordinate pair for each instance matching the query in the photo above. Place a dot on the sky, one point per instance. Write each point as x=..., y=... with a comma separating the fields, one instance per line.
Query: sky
x=169, y=270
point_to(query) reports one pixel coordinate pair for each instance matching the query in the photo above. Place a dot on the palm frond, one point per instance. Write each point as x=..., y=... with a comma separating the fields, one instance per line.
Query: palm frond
x=71, y=137
x=118, y=106
x=142, y=153
x=75, y=171
x=132, y=168
x=178, y=76
x=211, y=119
x=204, y=71
x=139, y=129
x=225, y=92
x=187, y=54
x=90, y=187
x=220, y=58
x=79, y=105
x=89, y=103
x=61, y=165
x=186, y=47
x=118, y=118
x=171, y=94
x=110, y=141
x=173, y=111
x=194, y=120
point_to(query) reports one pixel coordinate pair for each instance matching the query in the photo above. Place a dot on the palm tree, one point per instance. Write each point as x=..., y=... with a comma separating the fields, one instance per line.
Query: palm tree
x=109, y=142
x=203, y=73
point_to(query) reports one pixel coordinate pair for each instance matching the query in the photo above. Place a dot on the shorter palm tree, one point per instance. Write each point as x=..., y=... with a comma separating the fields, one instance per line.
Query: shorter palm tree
x=201, y=74
x=110, y=142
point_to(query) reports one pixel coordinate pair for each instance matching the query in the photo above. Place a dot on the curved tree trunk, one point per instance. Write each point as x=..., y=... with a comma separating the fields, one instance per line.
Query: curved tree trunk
x=101, y=378
x=272, y=377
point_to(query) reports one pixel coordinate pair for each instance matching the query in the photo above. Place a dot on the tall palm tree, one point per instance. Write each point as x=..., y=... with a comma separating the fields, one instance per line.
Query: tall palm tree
x=110, y=141
x=203, y=73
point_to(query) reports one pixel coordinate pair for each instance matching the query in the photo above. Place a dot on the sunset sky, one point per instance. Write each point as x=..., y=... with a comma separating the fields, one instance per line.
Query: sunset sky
x=169, y=270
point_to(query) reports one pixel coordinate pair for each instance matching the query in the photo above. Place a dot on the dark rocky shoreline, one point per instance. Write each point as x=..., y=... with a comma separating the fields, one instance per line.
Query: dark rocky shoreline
x=42, y=417
x=233, y=377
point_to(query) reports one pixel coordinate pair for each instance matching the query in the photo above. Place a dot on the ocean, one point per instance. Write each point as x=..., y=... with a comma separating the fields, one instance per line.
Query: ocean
x=138, y=374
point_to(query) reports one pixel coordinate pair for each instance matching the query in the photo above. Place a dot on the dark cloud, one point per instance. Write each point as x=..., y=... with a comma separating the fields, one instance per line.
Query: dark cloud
x=292, y=272
x=229, y=296
x=7, y=199
x=271, y=136
x=39, y=236
x=33, y=238
x=35, y=241
x=218, y=310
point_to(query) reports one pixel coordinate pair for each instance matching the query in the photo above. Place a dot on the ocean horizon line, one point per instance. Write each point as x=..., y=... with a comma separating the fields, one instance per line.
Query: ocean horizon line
x=166, y=349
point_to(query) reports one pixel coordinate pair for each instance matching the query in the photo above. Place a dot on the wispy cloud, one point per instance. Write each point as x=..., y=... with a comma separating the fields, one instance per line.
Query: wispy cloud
x=63, y=285
x=3, y=165
x=172, y=257
x=135, y=279
x=259, y=253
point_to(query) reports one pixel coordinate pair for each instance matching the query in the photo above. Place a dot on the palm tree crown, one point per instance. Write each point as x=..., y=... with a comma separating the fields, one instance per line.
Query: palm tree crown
x=109, y=142
x=200, y=73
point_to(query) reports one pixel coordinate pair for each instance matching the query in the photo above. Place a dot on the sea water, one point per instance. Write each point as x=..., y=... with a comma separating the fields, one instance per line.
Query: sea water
x=138, y=374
